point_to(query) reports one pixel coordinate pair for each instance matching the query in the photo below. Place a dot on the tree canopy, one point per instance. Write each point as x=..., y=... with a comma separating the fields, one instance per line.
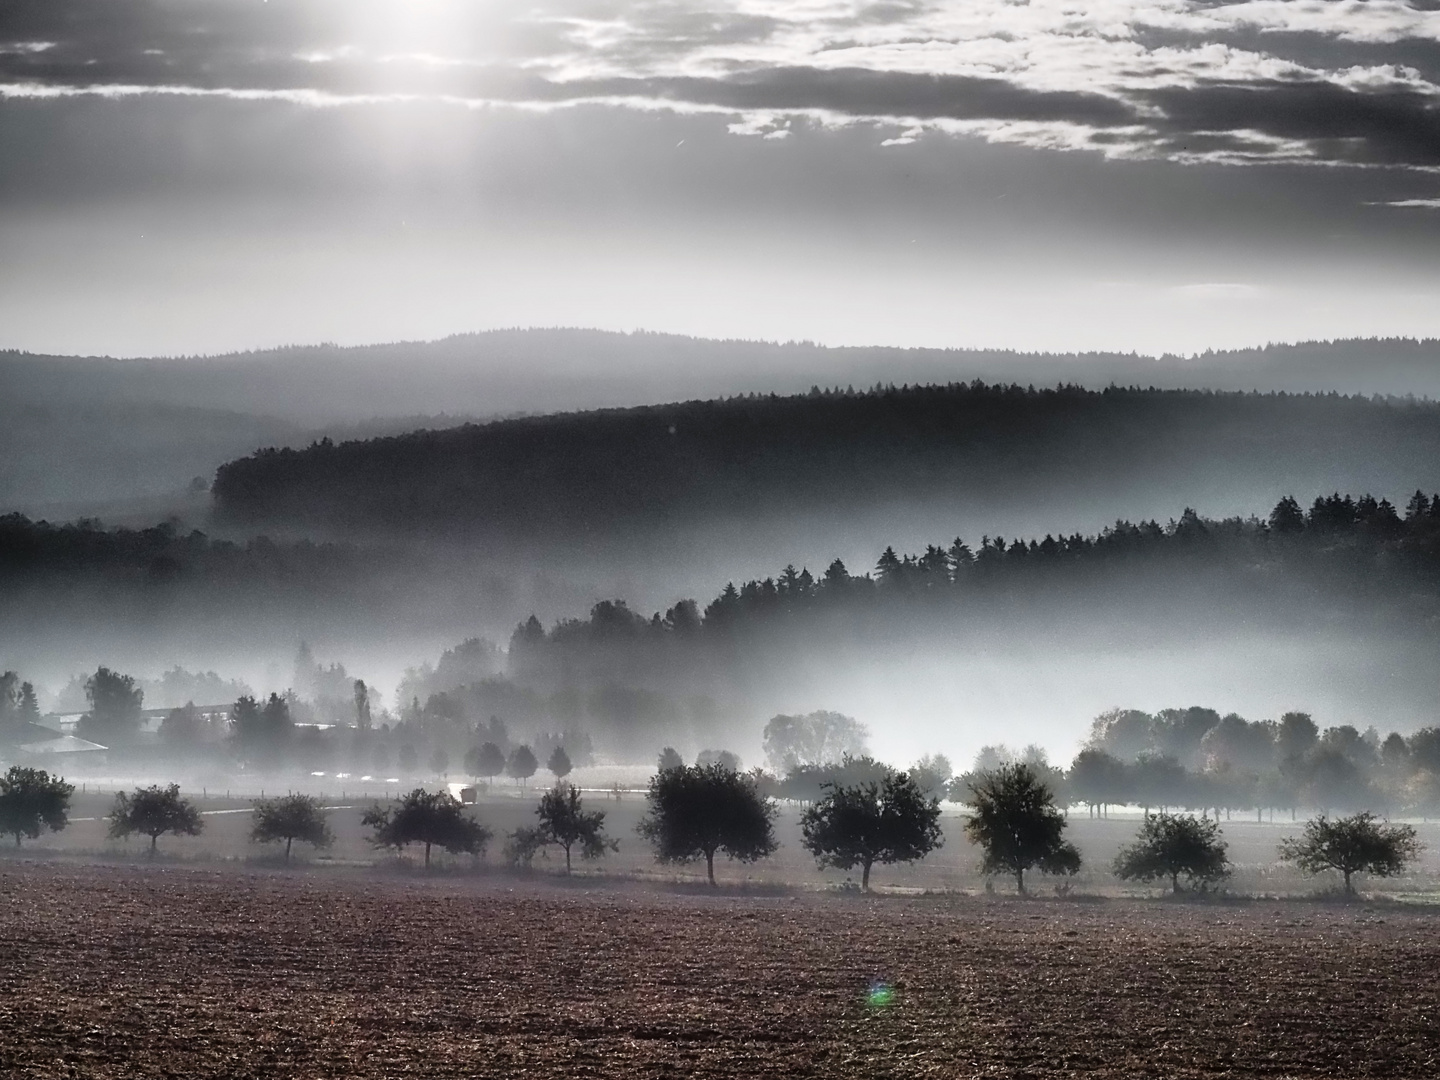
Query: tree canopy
x=1352, y=845
x=887, y=822
x=115, y=704
x=559, y=763
x=32, y=799
x=564, y=821
x=1169, y=845
x=290, y=818
x=153, y=812
x=432, y=818
x=817, y=738
x=1017, y=824
x=697, y=811
x=522, y=764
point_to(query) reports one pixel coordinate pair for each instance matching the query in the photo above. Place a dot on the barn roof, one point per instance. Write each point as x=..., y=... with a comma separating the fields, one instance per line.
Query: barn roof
x=63, y=744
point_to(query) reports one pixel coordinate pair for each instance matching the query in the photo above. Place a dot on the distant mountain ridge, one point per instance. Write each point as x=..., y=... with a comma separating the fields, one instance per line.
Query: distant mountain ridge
x=501, y=372
x=88, y=434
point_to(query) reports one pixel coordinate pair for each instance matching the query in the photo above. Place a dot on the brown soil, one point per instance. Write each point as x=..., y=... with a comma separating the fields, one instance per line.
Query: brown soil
x=126, y=972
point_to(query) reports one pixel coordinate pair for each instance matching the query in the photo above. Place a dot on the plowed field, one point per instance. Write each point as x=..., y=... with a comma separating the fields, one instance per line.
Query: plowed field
x=126, y=972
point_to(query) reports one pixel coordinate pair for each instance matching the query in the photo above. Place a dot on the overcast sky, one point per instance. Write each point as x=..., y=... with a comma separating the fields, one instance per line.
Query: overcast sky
x=205, y=175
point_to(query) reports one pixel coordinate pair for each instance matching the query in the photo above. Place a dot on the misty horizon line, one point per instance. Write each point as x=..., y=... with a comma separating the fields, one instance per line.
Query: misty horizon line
x=261, y=351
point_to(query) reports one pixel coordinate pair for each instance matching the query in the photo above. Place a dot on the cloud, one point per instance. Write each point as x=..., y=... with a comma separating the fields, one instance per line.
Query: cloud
x=1218, y=290
x=1356, y=84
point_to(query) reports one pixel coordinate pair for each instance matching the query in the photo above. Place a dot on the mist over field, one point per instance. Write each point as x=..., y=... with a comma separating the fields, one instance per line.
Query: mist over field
x=721, y=538
x=383, y=550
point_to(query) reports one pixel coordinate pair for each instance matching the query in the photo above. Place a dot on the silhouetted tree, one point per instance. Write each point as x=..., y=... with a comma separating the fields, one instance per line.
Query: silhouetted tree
x=31, y=799
x=522, y=845
x=439, y=761
x=563, y=821
x=425, y=817
x=892, y=821
x=698, y=810
x=291, y=818
x=559, y=763
x=1352, y=845
x=153, y=812
x=1097, y=779
x=486, y=760
x=1018, y=825
x=262, y=732
x=9, y=697
x=115, y=704
x=182, y=727
x=1287, y=517
x=724, y=758
x=522, y=764
x=932, y=774
x=669, y=759
x=1295, y=736
x=362, y=705
x=816, y=738
x=28, y=707
x=1169, y=845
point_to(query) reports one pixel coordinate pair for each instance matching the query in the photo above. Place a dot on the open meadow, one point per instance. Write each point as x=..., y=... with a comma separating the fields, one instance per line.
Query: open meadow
x=187, y=970
x=953, y=868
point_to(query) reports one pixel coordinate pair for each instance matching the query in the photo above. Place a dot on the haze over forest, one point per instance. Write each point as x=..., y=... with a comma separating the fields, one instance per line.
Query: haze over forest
x=839, y=221
x=385, y=545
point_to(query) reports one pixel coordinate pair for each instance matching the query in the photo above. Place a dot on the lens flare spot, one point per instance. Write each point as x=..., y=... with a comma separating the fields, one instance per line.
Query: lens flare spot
x=879, y=995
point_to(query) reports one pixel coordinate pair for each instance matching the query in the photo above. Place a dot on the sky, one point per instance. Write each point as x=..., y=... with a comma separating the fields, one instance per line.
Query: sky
x=182, y=176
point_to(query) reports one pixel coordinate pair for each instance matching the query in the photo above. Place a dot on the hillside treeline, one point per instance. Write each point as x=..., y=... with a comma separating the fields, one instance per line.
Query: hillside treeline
x=1342, y=558
x=1197, y=759
x=59, y=579
x=562, y=479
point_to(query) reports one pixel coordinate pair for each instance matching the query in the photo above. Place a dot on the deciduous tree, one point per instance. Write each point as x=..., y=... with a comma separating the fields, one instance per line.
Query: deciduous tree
x=432, y=818
x=1018, y=825
x=563, y=821
x=699, y=810
x=1169, y=845
x=559, y=763
x=887, y=822
x=291, y=818
x=522, y=764
x=1352, y=845
x=32, y=799
x=817, y=738
x=486, y=760
x=153, y=812
x=115, y=703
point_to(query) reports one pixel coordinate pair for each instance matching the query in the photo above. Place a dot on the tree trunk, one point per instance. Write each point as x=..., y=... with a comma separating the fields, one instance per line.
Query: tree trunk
x=710, y=866
x=1175, y=882
x=1349, y=889
x=17, y=839
x=288, y=841
x=567, y=860
x=865, y=877
x=427, y=855
x=154, y=839
x=1020, y=880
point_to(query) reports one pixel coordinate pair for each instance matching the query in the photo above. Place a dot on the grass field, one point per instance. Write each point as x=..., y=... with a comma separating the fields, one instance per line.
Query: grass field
x=187, y=970
x=952, y=868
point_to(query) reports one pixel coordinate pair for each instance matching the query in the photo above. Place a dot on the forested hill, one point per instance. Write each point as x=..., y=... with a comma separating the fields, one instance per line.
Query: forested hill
x=503, y=372
x=956, y=448
x=86, y=435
